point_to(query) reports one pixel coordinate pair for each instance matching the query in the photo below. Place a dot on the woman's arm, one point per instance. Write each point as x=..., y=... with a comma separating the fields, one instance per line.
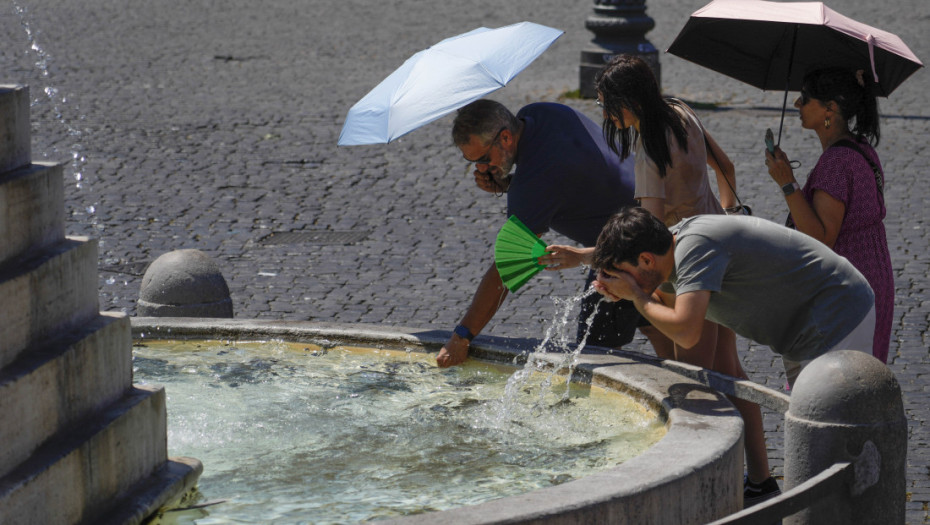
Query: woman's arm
x=821, y=220
x=726, y=173
x=655, y=205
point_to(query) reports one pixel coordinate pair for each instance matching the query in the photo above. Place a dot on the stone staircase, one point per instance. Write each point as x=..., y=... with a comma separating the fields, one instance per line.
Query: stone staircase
x=79, y=443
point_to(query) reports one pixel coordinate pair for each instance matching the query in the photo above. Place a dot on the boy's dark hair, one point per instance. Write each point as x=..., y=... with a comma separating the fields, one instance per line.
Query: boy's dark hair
x=627, y=234
x=482, y=118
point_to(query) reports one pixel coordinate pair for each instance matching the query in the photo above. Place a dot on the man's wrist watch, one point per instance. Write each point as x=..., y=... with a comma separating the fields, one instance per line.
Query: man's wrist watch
x=790, y=188
x=464, y=333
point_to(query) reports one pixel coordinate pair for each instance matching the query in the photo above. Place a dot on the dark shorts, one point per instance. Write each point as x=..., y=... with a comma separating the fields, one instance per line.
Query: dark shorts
x=614, y=323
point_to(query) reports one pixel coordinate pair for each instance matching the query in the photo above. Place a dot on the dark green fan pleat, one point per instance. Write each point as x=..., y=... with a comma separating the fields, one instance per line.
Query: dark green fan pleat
x=516, y=252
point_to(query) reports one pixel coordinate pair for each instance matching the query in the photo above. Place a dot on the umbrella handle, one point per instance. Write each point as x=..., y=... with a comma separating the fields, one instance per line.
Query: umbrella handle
x=784, y=103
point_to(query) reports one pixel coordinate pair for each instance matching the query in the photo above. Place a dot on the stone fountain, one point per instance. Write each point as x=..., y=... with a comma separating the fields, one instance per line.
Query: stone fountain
x=80, y=442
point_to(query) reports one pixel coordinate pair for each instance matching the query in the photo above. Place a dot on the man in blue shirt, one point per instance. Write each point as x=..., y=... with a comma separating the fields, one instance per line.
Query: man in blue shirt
x=566, y=179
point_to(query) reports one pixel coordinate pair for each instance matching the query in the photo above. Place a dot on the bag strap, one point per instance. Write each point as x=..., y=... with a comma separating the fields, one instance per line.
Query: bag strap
x=879, y=183
x=709, y=149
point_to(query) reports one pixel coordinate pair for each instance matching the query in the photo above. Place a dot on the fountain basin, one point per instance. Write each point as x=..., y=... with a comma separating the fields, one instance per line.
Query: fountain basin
x=692, y=475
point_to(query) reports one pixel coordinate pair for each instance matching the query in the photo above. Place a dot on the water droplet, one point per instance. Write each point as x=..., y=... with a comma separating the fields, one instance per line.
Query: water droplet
x=91, y=209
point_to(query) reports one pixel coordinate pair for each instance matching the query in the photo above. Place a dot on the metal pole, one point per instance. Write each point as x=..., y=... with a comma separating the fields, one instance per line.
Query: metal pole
x=619, y=27
x=784, y=104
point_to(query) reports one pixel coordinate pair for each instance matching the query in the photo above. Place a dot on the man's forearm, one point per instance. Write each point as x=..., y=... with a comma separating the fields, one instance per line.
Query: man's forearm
x=669, y=320
x=487, y=300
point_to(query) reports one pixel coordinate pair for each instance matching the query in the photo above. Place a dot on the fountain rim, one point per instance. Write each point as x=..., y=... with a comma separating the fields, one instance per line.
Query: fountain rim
x=704, y=430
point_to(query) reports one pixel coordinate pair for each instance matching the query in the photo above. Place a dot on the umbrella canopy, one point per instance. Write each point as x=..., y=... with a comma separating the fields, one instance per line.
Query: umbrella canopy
x=772, y=45
x=443, y=78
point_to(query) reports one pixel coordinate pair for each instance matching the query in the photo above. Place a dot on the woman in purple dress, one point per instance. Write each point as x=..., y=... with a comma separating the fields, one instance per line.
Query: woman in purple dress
x=842, y=203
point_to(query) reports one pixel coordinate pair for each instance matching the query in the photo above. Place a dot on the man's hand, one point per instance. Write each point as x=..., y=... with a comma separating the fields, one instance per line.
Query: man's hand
x=491, y=181
x=453, y=353
x=616, y=285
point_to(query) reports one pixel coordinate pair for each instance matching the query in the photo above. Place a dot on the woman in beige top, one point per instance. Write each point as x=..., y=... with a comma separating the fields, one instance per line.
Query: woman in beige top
x=672, y=152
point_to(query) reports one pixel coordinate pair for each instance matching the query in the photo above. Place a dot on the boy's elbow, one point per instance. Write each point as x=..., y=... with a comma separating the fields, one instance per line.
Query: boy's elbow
x=689, y=338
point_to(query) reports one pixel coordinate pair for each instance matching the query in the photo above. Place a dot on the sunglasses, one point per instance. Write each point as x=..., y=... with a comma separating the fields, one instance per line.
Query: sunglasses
x=805, y=97
x=486, y=158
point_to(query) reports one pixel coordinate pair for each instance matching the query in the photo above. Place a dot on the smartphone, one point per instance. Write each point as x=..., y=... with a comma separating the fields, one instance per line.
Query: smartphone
x=770, y=140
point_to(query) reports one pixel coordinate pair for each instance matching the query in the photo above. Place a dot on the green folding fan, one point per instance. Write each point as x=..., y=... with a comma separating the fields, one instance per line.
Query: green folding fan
x=516, y=252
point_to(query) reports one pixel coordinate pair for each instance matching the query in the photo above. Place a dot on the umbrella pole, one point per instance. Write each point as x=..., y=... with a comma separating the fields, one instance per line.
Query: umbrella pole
x=784, y=103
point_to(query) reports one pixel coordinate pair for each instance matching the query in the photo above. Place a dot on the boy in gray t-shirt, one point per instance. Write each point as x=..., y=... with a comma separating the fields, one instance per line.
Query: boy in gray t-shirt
x=768, y=283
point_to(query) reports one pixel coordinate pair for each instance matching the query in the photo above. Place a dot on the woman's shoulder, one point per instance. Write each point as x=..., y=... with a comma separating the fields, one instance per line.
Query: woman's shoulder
x=680, y=107
x=848, y=153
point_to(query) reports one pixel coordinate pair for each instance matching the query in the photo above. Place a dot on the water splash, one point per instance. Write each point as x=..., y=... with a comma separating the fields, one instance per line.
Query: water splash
x=58, y=102
x=559, y=338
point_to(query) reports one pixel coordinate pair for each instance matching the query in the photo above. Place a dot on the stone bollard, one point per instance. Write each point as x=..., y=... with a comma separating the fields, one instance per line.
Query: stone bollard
x=184, y=283
x=846, y=406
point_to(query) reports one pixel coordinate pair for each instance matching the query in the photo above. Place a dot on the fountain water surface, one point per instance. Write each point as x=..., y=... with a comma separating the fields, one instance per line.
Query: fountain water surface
x=335, y=434
x=691, y=475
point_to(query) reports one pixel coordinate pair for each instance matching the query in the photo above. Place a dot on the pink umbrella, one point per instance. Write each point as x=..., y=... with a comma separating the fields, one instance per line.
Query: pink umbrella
x=772, y=45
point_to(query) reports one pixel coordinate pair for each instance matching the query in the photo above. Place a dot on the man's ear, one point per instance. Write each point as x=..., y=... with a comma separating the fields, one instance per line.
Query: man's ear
x=647, y=260
x=506, y=137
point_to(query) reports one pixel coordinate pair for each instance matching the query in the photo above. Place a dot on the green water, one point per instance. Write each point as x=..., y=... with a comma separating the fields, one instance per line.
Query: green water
x=295, y=433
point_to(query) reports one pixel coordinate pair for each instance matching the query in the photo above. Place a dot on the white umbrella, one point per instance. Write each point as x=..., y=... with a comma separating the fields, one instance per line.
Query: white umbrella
x=443, y=78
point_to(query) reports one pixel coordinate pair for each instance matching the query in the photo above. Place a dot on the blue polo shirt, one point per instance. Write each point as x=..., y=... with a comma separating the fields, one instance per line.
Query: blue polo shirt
x=566, y=179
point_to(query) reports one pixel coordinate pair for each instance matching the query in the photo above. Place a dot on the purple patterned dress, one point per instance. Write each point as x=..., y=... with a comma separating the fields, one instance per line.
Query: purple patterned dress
x=845, y=175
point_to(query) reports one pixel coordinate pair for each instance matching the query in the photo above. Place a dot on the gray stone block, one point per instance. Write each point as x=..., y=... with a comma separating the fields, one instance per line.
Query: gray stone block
x=74, y=477
x=15, y=134
x=87, y=368
x=32, y=210
x=48, y=293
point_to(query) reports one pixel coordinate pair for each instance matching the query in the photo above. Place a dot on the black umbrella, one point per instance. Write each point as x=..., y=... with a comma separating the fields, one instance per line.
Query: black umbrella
x=772, y=45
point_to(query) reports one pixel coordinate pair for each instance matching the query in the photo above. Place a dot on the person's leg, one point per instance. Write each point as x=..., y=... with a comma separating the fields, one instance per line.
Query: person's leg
x=727, y=362
x=663, y=346
x=703, y=353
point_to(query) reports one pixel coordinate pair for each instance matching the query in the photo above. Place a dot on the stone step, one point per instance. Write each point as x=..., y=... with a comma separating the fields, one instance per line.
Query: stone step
x=80, y=474
x=15, y=131
x=54, y=291
x=32, y=210
x=172, y=486
x=87, y=368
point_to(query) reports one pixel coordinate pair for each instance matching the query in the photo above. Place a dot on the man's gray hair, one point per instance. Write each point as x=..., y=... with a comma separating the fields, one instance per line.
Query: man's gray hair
x=483, y=118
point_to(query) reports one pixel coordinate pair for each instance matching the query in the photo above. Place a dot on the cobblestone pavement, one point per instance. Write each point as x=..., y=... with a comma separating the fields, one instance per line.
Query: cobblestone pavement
x=212, y=124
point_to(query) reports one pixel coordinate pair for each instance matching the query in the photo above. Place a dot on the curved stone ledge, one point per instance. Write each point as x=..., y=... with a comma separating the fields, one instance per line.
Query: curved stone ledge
x=692, y=475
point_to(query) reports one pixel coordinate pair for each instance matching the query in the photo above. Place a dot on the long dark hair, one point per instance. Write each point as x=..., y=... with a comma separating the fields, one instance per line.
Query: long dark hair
x=855, y=100
x=628, y=82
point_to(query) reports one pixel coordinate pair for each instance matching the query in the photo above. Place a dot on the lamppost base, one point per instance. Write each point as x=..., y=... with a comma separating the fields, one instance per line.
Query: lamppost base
x=619, y=27
x=593, y=59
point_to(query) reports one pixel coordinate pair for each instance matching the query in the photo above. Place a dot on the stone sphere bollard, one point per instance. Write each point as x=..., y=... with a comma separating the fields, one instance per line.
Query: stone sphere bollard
x=846, y=406
x=184, y=283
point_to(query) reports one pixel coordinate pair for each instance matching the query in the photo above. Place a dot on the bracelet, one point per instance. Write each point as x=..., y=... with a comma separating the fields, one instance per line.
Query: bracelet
x=463, y=332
